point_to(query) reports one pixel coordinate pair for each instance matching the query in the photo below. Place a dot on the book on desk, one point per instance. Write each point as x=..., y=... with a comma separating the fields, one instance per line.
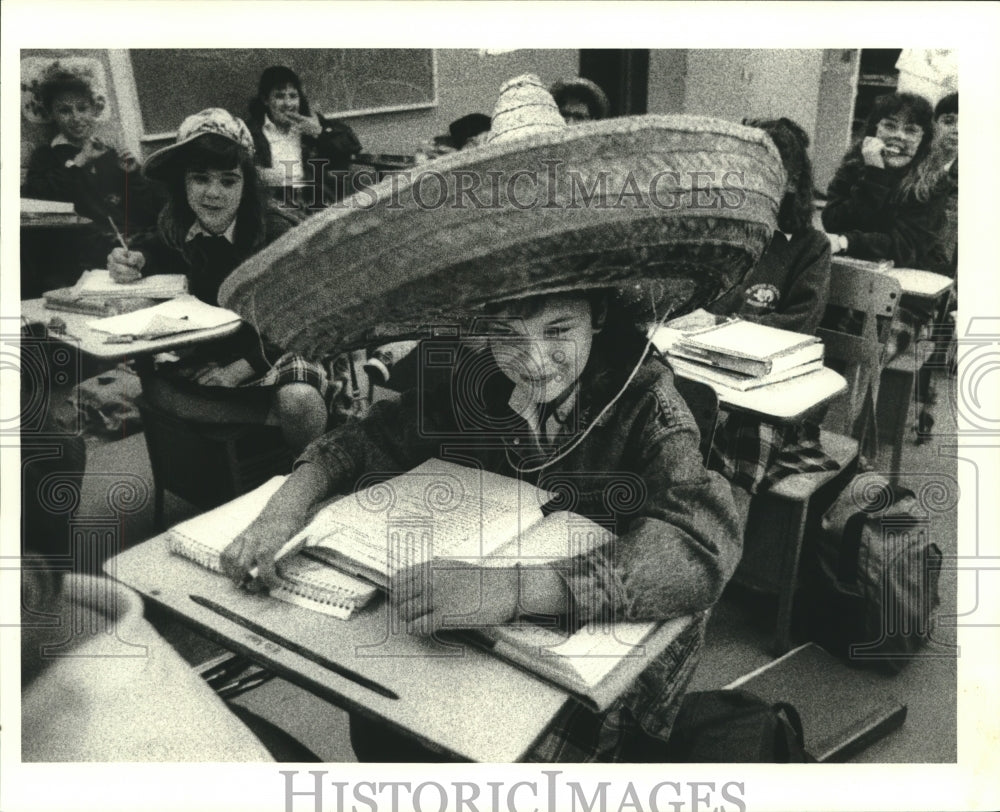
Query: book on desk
x=738, y=354
x=443, y=511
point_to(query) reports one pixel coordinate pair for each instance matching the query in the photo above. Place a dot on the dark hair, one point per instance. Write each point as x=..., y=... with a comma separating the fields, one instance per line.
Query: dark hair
x=910, y=107
x=64, y=82
x=466, y=127
x=207, y=152
x=797, y=207
x=276, y=76
x=529, y=306
x=948, y=104
x=581, y=90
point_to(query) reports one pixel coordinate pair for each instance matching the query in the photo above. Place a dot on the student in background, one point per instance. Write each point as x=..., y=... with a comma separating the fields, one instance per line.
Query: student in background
x=83, y=167
x=215, y=219
x=296, y=150
x=788, y=289
x=580, y=100
x=938, y=177
x=872, y=212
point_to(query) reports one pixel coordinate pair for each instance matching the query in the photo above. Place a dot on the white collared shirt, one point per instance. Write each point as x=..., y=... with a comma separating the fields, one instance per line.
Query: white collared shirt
x=286, y=150
x=61, y=139
x=196, y=229
x=522, y=402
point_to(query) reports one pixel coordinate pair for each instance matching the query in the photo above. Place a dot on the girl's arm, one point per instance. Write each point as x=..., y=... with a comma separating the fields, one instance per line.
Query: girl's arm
x=857, y=196
x=49, y=178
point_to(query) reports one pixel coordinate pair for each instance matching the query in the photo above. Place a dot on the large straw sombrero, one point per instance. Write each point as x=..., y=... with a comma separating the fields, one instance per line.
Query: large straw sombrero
x=670, y=210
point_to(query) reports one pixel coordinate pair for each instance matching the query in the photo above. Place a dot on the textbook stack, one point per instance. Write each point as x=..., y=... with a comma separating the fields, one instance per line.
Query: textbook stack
x=743, y=355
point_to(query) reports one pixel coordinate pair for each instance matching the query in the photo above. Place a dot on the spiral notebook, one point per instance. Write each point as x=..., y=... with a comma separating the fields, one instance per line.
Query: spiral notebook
x=305, y=581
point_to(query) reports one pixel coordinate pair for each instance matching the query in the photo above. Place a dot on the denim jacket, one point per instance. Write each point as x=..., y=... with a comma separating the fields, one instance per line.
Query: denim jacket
x=638, y=471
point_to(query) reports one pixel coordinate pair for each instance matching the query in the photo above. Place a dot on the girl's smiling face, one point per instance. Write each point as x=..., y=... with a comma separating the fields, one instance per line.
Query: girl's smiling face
x=547, y=350
x=902, y=139
x=280, y=102
x=214, y=196
x=74, y=114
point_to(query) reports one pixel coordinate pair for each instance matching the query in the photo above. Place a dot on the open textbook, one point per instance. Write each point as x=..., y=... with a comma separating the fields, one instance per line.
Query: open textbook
x=440, y=510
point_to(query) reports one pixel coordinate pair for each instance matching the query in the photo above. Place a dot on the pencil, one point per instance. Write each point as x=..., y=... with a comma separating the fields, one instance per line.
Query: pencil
x=118, y=234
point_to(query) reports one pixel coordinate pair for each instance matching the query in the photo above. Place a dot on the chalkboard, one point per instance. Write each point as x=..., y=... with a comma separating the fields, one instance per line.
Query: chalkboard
x=173, y=83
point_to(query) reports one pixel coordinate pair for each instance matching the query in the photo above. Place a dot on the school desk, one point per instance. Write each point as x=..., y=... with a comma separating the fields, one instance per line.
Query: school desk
x=924, y=292
x=94, y=342
x=455, y=696
x=786, y=401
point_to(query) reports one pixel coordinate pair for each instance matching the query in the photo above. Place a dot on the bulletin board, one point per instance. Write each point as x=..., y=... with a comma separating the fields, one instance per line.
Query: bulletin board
x=172, y=83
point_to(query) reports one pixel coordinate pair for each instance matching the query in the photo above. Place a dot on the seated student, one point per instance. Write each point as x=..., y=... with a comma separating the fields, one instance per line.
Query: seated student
x=215, y=219
x=84, y=168
x=293, y=146
x=580, y=100
x=565, y=386
x=871, y=213
x=788, y=289
x=937, y=176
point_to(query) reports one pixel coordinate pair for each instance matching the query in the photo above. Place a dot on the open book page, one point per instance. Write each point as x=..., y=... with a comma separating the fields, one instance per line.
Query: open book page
x=439, y=509
x=559, y=536
x=31, y=205
x=185, y=313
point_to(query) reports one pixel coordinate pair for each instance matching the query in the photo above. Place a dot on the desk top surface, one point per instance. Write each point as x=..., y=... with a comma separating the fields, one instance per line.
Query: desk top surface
x=455, y=695
x=923, y=284
x=93, y=342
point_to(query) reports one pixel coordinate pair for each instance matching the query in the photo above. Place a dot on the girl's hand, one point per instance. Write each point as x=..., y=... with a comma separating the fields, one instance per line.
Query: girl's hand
x=127, y=162
x=93, y=148
x=256, y=547
x=467, y=595
x=871, y=151
x=126, y=266
x=231, y=375
x=838, y=243
x=307, y=125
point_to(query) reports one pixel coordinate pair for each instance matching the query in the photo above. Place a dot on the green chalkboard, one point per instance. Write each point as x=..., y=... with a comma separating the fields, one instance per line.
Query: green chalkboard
x=173, y=83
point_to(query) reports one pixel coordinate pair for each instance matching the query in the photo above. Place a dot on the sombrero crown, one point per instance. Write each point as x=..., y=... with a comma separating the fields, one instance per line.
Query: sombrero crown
x=672, y=210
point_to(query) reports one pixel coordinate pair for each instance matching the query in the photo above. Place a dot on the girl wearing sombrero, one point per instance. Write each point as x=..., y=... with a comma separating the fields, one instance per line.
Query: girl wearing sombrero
x=557, y=386
x=216, y=217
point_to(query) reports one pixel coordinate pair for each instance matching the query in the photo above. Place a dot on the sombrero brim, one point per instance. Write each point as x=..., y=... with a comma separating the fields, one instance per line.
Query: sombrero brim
x=679, y=208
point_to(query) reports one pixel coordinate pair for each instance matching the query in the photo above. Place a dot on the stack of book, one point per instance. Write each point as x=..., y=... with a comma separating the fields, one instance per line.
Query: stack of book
x=743, y=355
x=97, y=294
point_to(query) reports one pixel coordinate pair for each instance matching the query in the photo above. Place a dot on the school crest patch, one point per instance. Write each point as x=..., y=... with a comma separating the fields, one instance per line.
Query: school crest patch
x=763, y=296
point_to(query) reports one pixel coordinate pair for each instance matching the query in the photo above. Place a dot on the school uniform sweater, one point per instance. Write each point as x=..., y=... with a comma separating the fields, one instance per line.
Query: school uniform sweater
x=864, y=204
x=98, y=190
x=788, y=288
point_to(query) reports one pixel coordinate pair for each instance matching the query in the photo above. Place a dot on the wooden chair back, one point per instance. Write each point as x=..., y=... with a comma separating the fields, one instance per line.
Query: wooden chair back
x=854, y=331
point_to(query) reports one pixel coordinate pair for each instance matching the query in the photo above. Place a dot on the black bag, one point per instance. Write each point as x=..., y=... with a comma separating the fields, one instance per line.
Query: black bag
x=875, y=577
x=734, y=726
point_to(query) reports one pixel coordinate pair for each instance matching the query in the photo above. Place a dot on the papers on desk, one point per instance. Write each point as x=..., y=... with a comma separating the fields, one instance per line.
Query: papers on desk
x=158, y=286
x=33, y=206
x=181, y=315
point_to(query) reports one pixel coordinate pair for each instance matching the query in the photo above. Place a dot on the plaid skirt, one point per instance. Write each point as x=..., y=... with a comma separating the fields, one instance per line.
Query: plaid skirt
x=755, y=455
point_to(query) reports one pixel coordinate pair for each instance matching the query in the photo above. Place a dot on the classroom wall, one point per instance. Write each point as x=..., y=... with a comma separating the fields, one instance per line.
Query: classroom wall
x=468, y=82
x=667, y=73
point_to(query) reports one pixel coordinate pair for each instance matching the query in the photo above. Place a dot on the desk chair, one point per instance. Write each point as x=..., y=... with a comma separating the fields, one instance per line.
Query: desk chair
x=208, y=464
x=859, y=311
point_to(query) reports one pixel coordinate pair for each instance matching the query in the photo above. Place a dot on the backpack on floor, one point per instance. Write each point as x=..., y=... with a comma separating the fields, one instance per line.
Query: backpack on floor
x=734, y=726
x=875, y=577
